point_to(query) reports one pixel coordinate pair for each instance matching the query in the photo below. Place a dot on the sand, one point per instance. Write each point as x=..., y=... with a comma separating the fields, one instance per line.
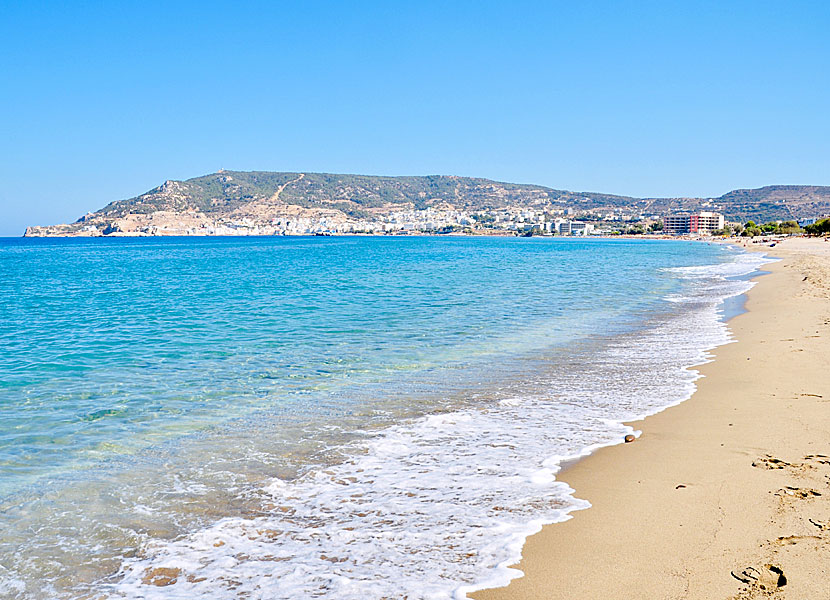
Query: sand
x=731, y=485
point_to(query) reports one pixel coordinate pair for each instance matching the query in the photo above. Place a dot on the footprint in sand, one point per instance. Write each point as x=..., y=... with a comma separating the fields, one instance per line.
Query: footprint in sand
x=769, y=462
x=792, y=540
x=768, y=577
x=821, y=459
x=798, y=493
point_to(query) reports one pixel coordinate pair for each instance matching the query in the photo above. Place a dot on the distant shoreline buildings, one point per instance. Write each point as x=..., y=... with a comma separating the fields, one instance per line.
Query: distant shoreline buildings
x=429, y=221
x=701, y=223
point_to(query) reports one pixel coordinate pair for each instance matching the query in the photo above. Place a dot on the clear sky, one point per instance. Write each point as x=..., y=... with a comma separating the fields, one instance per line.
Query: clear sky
x=105, y=100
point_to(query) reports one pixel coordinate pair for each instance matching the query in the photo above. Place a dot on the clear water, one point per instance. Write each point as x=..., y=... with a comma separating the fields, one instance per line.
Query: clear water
x=322, y=417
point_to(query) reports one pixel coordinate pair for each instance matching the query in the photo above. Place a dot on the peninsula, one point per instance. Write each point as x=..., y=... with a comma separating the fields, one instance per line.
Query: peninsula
x=270, y=203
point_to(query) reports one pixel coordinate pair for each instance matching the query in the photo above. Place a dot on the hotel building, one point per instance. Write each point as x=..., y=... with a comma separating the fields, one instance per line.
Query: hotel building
x=702, y=223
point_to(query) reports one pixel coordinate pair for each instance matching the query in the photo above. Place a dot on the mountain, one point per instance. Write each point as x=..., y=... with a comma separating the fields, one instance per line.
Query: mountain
x=777, y=202
x=229, y=190
x=259, y=202
x=770, y=203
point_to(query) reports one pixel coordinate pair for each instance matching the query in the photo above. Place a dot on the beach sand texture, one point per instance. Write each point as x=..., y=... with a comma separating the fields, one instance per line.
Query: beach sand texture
x=726, y=495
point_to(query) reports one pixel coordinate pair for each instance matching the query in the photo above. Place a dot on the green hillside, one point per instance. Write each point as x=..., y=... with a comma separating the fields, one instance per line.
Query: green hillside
x=228, y=190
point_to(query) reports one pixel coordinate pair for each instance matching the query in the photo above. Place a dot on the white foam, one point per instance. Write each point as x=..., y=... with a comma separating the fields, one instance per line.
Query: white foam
x=738, y=265
x=10, y=586
x=721, y=281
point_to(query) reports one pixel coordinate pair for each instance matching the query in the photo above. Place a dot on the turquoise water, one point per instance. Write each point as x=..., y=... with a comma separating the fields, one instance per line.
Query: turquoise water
x=153, y=387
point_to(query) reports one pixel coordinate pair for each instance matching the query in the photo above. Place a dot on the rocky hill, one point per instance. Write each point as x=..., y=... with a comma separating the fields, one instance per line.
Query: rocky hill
x=777, y=202
x=266, y=203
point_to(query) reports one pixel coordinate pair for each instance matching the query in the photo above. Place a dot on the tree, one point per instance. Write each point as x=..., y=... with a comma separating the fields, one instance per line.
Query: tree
x=789, y=227
x=818, y=228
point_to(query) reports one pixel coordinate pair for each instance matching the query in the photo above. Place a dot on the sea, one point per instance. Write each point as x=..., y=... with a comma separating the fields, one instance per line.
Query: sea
x=325, y=417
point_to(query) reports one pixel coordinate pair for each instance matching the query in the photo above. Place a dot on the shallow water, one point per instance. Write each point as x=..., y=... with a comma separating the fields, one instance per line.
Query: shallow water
x=322, y=417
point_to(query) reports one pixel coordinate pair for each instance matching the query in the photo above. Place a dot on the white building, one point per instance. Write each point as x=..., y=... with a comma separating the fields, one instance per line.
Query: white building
x=564, y=227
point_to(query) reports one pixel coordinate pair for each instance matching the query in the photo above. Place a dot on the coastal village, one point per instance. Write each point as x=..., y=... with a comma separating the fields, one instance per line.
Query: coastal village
x=278, y=204
x=508, y=222
x=503, y=222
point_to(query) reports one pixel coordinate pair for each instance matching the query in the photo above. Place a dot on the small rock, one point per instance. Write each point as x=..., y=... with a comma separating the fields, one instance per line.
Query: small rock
x=629, y=438
x=161, y=576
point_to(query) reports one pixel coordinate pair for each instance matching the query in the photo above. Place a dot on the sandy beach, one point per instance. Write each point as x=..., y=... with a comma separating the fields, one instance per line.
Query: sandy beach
x=726, y=495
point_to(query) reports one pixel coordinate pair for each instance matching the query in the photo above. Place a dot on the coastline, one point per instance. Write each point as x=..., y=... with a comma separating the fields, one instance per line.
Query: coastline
x=726, y=482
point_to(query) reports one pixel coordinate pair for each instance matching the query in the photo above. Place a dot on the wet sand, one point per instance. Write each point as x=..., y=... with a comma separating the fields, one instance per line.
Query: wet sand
x=726, y=495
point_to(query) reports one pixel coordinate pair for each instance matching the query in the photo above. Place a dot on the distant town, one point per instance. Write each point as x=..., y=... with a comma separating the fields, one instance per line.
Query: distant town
x=506, y=222
x=276, y=203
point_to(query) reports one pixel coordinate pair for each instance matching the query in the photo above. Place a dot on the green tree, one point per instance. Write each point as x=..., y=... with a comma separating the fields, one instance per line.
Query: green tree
x=818, y=228
x=789, y=227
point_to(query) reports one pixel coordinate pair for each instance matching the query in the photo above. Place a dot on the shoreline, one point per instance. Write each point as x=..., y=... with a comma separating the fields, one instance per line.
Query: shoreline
x=737, y=301
x=715, y=483
x=702, y=493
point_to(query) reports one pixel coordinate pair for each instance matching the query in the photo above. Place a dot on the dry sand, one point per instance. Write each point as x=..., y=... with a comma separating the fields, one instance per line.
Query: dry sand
x=734, y=480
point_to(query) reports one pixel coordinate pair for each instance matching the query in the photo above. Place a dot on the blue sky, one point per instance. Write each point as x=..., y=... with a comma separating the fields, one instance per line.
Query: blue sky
x=105, y=100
